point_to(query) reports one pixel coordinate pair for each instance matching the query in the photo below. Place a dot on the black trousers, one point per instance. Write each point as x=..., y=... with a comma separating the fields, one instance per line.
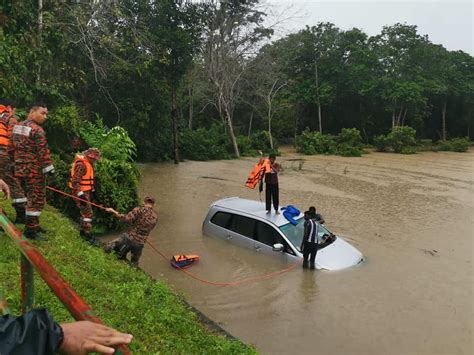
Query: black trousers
x=272, y=193
x=309, y=251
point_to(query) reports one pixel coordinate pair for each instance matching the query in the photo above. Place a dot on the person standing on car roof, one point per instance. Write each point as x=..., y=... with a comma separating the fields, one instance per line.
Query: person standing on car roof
x=272, y=193
x=309, y=245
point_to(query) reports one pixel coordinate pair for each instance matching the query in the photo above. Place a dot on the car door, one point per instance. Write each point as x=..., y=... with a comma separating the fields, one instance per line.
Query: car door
x=266, y=236
x=241, y=231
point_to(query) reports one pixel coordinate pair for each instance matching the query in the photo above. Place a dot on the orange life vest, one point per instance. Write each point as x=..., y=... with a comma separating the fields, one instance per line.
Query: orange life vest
x=87, y=182
x=257, y=173
x=4, y=134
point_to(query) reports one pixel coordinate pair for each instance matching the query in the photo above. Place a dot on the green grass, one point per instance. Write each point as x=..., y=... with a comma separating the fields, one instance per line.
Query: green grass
x=123, y=297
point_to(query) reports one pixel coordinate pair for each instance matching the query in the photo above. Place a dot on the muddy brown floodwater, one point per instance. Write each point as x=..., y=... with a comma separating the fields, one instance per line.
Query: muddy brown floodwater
x=411, y=216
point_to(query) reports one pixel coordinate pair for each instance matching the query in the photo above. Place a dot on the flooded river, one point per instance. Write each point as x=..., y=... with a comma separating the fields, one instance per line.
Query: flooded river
x=411, y=217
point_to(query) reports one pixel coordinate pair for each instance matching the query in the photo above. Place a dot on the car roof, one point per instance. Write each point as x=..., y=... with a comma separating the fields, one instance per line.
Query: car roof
x=253, y=208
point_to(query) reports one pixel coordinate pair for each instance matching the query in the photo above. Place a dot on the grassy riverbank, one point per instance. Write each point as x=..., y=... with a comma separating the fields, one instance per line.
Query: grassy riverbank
x=123, y=297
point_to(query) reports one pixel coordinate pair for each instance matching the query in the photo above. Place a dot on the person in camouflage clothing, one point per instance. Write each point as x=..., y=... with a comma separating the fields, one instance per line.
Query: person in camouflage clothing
x=7, y=122
x=82, y=185
x=32, y=164
x=142, y=220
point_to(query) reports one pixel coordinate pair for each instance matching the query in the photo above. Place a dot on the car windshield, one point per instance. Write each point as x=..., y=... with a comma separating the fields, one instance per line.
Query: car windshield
x=295, y=233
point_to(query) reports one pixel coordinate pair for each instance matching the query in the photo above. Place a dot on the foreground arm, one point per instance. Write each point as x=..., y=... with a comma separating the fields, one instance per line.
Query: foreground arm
x=85, y=337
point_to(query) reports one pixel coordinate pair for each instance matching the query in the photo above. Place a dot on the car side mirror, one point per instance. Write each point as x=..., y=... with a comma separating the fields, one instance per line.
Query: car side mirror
x=278, y=247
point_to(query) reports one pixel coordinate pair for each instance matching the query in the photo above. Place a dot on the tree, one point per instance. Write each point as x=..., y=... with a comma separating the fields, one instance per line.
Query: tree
x=267, y=78
x=401, y=81
x=234, y=29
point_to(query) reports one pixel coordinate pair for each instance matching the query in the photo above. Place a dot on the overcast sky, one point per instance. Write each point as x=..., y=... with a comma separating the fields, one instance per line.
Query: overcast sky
x=449, y=23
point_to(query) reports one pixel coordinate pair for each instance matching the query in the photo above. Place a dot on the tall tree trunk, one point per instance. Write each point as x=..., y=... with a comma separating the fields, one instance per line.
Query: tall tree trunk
x=318, y=102
x=404, y=115
x=393, y=120
x=174, y=116
x=250, y=124
x=191, y=107
x=270, y=122
x=443, y=115
x=40, y=34
x=231, y=132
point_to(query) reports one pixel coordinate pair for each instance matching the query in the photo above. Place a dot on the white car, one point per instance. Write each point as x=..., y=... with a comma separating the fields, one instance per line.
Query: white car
x=246, y=223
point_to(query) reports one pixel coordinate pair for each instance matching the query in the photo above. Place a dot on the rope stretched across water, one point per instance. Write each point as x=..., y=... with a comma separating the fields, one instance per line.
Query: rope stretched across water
x=197, y=278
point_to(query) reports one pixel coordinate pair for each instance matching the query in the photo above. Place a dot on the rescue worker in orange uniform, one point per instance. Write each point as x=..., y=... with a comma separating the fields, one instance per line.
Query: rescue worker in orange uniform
x=32, y=164
x=82, y=185
x=7, y=121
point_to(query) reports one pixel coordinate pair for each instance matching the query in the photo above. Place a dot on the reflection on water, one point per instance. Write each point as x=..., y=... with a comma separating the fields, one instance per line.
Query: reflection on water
x=393, y=208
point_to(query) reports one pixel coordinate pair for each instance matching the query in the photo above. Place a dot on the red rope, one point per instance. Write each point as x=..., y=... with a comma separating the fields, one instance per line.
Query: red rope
x=231, y=283
x=197, y=278
x=76, y=198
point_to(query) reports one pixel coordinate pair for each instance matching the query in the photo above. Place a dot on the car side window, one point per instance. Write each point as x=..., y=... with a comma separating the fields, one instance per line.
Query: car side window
x=243, y=225
x=221, y=219
x=266, y=234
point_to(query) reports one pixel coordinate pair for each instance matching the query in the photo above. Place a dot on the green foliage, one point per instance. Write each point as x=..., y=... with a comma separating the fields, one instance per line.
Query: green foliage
x=116, y=176
x=382, y=143
x=123, y=297
x=114, y=143
x=261, y=141
x=205, y=144
x=455, y=145
x=315, y=143
x=400, y=140
x=348, y=143
x=403, y=139
x=213, y=144
x=62, y=128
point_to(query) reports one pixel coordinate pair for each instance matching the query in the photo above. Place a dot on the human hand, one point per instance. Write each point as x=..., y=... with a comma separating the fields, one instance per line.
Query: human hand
x=84, y=337
x=5, y=189
x=111, y=210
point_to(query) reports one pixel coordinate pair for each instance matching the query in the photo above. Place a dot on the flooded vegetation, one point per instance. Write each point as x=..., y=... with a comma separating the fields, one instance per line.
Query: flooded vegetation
x=411, y=217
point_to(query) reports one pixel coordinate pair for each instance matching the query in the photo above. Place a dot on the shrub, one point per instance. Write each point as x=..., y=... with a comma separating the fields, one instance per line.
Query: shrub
x=114, y=143
x=349, y=143
x=402, y=137
x=261, y=141
x=116, y=177
x=455, y=145
x=381, y=143
x=315, y=143
x=400, y=140
x=460, y=144
x=62, y=129
x=205, y=144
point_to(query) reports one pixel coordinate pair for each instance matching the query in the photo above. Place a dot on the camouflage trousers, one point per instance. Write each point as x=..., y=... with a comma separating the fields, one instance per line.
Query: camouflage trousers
x=35, y=191
x=123, y=245
x=85, y=210
x=6, y=173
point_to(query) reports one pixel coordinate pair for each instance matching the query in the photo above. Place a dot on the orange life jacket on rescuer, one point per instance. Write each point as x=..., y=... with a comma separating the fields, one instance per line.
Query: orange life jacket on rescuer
x=87, y=181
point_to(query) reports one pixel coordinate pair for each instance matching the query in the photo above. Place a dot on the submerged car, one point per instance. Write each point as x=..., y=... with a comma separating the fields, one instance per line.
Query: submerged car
x=246, y=223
